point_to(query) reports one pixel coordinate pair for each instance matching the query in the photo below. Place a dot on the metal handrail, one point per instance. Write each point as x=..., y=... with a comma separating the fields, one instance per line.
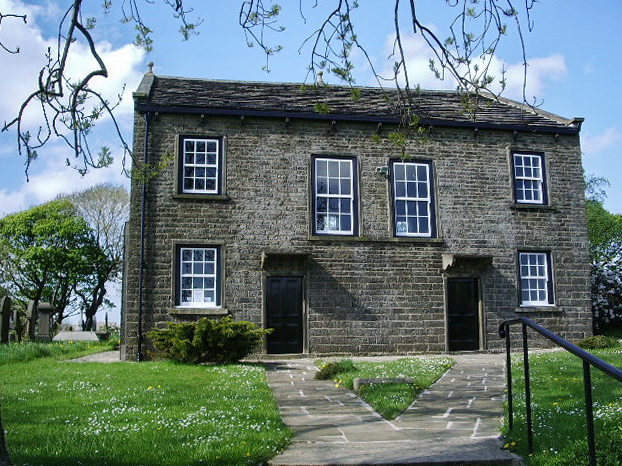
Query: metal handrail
x=588, y=360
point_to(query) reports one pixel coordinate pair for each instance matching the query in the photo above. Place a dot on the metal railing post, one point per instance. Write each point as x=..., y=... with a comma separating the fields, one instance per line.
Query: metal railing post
x=508, y=365
x=589, y=412
x=527, y=390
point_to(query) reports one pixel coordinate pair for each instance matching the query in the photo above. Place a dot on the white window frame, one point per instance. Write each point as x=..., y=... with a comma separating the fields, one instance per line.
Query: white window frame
x=535, y=278
x=408, y=193
x=529, y=177
x=195, y=274
x=335, y=196
x=196, y=166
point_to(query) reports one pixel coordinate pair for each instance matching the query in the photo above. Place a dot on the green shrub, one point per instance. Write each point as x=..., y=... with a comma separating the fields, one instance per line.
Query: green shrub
x=331, y=369
x=218, y=341
x=598, y=342
x=175, y=342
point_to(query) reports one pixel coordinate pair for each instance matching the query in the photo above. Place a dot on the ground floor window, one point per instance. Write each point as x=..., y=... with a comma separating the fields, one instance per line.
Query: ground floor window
x=198, y=276
x=536, y=284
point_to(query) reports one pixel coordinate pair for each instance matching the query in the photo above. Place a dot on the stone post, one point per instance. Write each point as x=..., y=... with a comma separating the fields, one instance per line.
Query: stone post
x=44, y=314
x=5, y=317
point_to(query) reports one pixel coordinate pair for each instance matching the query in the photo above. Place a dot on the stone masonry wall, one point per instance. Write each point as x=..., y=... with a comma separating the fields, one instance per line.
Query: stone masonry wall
x=373, y=293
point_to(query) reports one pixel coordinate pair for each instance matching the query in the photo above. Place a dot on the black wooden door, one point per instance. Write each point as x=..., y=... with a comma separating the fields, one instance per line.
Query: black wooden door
x=284, y=314
x=463, y=314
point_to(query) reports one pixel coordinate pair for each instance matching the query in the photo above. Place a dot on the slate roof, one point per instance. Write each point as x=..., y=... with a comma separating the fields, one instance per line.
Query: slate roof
x=443, y=108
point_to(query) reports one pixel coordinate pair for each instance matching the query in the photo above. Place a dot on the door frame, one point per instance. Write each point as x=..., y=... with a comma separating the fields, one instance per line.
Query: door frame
x=480, y=308
x=304, y=307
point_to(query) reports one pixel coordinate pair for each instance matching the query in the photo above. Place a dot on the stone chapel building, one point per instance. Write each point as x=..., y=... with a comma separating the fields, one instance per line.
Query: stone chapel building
x=289, y=206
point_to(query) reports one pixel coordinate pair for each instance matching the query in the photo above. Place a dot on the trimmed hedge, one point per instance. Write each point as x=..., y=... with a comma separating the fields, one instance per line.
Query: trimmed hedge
x=219, y=341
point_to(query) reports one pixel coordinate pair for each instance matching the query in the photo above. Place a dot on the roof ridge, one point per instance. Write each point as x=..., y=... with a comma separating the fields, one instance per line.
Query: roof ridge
x=263, y=98
x=310, y=85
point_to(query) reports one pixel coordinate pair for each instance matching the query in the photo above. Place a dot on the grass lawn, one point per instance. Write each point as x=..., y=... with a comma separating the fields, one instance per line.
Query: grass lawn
x=390, y=400
x=24, y=352
x=150, y=413
x=559, y=410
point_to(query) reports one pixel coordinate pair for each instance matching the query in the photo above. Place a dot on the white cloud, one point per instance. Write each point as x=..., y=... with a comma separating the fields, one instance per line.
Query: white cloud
x=541, y=71
x=53, y=178
x=12, y=201
x=122, y=62
x=595, y=143
x=49, y=176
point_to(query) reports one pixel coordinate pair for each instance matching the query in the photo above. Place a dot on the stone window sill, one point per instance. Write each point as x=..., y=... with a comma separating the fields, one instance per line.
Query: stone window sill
x=366, y=239
x=199, y=311
x=533, y=309
x=202, y=197
x=533, y=207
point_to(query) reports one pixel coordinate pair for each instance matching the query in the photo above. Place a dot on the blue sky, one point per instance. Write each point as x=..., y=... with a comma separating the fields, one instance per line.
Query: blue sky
x=573, y=53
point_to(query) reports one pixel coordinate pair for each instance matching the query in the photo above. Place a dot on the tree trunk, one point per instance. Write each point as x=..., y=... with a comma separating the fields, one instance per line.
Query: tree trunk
x=97, y=298
x=4, y=453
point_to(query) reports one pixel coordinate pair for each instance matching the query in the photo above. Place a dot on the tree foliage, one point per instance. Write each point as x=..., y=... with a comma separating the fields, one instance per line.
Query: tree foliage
x=70, y=107
x=105, y=208
x=605, y=240
x=48, y=251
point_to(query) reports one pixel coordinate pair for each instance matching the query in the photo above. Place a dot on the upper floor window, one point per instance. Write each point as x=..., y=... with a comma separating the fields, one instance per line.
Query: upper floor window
x=335, y=196
x=529, y=178
x=201, y=165
x=198, y=276
x=413, y=200
x=536, y=284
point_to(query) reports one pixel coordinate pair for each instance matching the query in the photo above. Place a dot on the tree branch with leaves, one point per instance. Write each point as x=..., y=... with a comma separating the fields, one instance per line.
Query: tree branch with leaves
x=70, y=106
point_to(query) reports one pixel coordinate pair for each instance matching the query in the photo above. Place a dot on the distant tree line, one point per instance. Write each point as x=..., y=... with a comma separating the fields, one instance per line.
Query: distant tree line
x=605, y=240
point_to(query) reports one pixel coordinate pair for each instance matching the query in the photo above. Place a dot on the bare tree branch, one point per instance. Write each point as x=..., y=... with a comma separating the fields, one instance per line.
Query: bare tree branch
x=3, y=17
x=63, y=103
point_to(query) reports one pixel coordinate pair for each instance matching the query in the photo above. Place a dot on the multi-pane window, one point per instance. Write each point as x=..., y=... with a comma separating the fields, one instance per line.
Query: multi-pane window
x=529, y=179
x=201, y=165
x=334, y=196
x=413, y=204
x=535, y=279
x=199, y=277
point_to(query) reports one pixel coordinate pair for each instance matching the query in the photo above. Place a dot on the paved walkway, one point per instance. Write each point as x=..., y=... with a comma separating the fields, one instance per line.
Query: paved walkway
x=455, y=422
x=105, y=356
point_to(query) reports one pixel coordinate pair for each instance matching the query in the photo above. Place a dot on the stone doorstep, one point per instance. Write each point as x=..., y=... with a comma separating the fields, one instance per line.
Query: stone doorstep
x=368, y=381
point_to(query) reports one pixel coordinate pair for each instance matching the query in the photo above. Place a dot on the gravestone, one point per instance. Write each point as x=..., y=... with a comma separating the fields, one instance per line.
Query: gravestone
x=5, y=317
x=18, y=326
x=31, y=316
x=44, y=315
